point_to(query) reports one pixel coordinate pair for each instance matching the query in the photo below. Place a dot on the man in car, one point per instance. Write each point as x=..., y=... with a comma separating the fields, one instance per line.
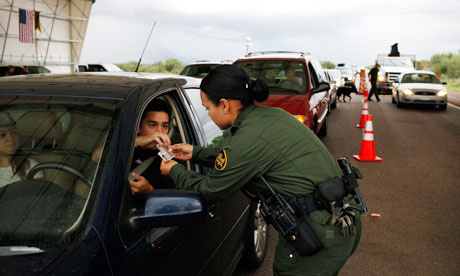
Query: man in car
x=153, y=130
x=25, y=70
x=10, y=71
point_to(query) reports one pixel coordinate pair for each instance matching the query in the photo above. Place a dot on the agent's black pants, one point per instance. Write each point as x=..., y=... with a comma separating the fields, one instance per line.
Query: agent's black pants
x=373, y=91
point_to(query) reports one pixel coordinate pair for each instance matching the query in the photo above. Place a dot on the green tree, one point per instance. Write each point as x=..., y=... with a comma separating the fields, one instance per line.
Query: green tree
x=328, y=65
x=173, y=65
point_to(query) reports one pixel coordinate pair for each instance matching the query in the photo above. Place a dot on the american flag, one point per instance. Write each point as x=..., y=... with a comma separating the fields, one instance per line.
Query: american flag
x=26, y=26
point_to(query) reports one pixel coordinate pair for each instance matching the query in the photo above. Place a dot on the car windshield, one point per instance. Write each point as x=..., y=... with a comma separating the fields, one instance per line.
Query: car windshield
x=398, y=62
x=346, y=71
x=198, y=70
x=281, y=76
x=420, y=78
x=50, y=151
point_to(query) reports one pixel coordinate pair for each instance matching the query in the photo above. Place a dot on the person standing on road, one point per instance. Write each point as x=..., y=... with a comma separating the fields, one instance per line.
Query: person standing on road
x=373, y=74
x=269, y=142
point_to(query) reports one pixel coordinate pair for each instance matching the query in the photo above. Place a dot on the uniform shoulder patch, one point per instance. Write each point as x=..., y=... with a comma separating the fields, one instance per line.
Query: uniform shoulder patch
x=221, y=160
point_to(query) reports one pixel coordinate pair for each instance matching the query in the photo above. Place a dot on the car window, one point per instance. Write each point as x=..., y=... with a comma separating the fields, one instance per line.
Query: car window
x=198, y=70
x=398, y=62
x=281, y=76
x=313, y=76
x=420, y=78
x=46, y=188
x=214, y=135
x=180, y=131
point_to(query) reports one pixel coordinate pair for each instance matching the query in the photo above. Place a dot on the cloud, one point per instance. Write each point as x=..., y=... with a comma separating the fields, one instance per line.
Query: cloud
x=338, y=31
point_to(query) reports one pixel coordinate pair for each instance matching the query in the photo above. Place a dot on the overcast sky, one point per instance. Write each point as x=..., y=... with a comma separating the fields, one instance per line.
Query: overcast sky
x=350, y=31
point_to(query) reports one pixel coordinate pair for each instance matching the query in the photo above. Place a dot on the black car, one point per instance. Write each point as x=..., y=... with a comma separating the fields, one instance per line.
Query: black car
x=48, y=228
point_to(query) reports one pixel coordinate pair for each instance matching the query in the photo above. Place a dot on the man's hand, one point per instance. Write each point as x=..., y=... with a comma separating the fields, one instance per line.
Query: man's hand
x=182, y=151
x=166, y=166
x=151, y=141
x=141, y=186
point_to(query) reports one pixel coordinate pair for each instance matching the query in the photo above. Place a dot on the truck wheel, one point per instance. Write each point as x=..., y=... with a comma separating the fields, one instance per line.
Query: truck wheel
x=256, y=242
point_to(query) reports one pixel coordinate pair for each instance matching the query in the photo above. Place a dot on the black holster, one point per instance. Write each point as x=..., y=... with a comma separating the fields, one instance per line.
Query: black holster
x=304, y=238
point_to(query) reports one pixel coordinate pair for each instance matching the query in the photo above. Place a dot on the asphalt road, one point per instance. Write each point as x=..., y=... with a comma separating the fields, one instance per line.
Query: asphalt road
x=415, y=189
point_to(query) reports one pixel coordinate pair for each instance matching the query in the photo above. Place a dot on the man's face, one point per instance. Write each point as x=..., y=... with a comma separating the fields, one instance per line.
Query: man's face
x=11, y=69
x=155, y=121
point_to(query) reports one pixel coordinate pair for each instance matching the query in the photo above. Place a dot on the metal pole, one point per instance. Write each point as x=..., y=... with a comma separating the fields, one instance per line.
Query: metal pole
x=51, y=32
x=139, y=63
x=35, y=38
x=6, y=34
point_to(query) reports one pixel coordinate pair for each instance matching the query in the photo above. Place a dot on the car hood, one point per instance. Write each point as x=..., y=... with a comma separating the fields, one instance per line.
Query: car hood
x=396, y=69
x=294, y=104
x=422, y=86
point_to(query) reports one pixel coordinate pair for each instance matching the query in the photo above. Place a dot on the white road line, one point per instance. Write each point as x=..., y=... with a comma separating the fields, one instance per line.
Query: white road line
x=453, y=105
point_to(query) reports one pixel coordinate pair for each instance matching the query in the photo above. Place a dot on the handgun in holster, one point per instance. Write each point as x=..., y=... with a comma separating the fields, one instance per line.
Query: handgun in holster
x=349, y=177
x=297, y=231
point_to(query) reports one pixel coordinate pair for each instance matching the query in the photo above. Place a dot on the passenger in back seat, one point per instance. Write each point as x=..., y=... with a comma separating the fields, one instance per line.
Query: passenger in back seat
x=14, y=166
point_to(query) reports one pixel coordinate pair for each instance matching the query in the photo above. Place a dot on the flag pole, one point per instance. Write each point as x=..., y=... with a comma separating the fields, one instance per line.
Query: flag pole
x=139, y=63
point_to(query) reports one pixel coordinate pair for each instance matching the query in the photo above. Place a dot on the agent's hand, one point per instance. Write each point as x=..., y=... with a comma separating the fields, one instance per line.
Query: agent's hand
x=182, y=151
x=141, y=186
x=151, y=141
x=166, y=166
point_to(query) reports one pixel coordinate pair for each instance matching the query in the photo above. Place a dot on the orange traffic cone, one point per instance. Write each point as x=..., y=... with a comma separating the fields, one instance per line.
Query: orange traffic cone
x=367, y=152
x=364, y=113
x=366, y=91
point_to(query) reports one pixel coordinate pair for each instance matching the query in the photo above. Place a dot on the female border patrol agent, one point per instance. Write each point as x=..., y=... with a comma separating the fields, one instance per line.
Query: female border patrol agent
x=269, y=142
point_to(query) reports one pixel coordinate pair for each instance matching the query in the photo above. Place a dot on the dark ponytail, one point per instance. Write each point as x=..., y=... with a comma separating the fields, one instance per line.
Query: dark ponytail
x=231, y=82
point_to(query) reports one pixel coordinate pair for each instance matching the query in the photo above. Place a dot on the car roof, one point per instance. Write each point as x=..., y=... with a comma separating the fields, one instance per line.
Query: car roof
x=109, y=85
x=210, y=62
x=277, y=55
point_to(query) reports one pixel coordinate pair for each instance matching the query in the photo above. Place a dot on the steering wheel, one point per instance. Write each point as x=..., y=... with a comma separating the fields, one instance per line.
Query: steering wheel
x=57, y=166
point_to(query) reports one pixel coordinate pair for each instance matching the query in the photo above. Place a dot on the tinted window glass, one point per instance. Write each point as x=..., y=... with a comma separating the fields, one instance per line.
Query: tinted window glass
x=55, y=148
x=198, y=70
x=420, y=78
x=281, y=76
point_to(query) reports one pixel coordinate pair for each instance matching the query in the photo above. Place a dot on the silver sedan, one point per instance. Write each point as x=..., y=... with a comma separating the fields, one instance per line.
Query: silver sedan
x=419, y=87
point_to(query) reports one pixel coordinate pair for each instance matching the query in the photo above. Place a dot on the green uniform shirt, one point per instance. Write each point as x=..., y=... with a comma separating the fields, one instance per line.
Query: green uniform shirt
x=270, y=142
x=263, y=141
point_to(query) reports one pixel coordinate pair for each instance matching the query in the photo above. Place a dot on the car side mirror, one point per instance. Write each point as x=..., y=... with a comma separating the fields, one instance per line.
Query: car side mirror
x=444, y=83
x=169, y=208
x=323, y=86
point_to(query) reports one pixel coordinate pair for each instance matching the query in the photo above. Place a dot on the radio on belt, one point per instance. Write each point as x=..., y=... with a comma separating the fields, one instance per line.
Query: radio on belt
x=165, y=154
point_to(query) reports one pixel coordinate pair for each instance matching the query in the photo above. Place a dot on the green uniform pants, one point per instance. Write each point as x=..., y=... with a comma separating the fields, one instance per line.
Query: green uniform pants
x=328, y=261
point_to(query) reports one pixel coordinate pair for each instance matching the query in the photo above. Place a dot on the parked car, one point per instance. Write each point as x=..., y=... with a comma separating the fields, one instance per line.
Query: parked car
x=335, y=80
x=201, y=68
x=419, y=87
x=18, y=69
x=48, y=229
x=296, y=83
x=98, y=67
